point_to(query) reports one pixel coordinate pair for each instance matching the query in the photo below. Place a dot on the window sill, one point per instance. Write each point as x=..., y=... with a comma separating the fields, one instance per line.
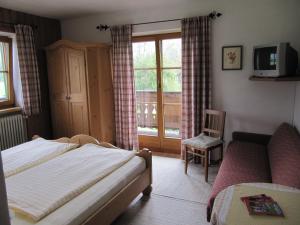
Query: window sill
x=10, y=110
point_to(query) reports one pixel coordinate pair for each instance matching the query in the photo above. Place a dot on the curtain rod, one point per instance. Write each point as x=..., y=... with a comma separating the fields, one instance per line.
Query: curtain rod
x=104, y=27
x=13, y=24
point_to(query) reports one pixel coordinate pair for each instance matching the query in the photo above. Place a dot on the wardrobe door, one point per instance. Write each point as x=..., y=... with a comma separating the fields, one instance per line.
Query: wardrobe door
x=58, y=92
x=106, y=96
x=78, y=109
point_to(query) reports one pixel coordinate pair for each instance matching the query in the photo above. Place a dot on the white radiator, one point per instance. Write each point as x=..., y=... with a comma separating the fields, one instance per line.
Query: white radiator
x=13, y=130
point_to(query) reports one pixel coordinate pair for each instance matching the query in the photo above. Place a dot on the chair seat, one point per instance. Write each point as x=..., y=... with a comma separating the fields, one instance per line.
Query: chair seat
x=202, y=141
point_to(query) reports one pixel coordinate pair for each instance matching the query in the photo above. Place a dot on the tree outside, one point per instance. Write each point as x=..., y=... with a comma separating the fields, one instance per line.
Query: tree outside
x=3, y=70
x=144, y=58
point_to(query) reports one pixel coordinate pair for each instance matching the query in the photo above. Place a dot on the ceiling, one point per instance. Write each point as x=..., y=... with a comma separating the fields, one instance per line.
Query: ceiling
x=62, y=9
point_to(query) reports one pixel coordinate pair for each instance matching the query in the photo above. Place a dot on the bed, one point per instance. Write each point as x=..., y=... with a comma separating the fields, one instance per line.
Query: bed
x=105, y=200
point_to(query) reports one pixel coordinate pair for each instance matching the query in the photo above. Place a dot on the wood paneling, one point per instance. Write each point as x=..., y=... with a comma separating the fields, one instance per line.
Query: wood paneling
x=59, y=104
x=76, y=74
x=78, y=118
x=60, y=118
x=47, y=32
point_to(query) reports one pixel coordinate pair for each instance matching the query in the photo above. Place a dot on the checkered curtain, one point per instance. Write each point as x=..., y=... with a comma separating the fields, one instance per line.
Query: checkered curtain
x=28, y=70
x=124, y=90
x=196, y=77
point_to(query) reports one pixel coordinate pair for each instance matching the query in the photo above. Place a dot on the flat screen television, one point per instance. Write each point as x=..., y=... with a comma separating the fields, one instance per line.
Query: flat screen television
x=275, y=60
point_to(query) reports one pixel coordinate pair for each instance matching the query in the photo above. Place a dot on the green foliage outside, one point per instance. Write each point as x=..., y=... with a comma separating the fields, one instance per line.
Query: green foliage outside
x=172, y=80
x=144, y=57
x=145, y=80
x=3, y=76
x=3, y=88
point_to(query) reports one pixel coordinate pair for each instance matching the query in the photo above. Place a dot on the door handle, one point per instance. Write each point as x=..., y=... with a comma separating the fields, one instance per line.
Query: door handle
x=68, y=97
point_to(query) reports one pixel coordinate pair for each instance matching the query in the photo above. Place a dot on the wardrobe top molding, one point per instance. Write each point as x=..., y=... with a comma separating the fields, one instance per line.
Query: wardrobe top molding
x=76, y=45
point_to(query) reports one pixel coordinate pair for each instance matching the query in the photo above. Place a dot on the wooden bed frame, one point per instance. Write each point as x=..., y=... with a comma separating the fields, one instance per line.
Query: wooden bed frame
x=107, y=213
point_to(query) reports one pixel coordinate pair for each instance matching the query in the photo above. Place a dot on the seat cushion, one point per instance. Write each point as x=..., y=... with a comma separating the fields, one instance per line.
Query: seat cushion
x=244, y=162
x=202, y=141
x=284, y=156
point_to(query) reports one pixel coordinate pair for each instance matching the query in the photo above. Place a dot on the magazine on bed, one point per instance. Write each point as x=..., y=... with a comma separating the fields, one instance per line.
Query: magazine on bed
x=262, y=205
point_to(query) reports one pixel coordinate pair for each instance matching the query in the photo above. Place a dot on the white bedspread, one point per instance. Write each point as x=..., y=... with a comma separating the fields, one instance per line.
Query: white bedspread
x=32, y=153
x=40, y=190
x=84, y=205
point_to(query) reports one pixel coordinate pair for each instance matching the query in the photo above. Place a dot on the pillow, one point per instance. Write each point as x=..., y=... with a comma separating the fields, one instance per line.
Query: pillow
x=32, y=153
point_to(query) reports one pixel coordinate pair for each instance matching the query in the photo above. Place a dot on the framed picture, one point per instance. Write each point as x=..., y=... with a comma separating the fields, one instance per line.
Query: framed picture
x=232, y=57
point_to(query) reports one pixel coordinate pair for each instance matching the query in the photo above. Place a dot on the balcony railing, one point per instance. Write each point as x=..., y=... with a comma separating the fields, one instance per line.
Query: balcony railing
x=147, y=113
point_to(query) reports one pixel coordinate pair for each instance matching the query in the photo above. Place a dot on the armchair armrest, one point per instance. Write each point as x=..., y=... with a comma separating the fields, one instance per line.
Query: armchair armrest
x=262, y=139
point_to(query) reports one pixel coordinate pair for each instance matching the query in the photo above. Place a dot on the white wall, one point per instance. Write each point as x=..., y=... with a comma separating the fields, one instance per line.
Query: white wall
x=250, y=106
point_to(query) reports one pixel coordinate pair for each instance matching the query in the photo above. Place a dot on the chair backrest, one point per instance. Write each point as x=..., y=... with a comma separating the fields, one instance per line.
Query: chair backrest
x=214, y=122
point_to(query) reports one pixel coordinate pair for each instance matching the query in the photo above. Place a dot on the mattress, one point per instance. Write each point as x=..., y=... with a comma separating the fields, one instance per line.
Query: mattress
x=81, y=207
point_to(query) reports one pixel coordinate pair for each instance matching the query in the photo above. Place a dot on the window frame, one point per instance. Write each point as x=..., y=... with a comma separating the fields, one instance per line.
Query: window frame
x=10, y=101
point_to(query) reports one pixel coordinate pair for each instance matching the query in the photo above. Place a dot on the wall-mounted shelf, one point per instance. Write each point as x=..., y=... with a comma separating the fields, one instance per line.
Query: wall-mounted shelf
x=286, y=78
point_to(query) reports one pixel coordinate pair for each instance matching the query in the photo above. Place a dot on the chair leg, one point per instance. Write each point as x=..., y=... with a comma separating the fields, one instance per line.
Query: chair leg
x=197, y=159
x=186, y=159
x=206, y=165
x=203, y=162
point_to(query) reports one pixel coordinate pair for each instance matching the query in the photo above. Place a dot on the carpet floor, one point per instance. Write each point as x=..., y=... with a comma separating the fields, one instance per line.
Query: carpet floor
x=176, y=199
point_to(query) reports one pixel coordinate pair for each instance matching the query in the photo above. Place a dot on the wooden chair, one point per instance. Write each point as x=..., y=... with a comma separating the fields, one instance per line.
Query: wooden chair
x=210, y=139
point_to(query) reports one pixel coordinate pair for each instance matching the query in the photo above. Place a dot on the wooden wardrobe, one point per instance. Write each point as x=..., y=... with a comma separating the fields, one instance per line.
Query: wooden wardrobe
x=81, y=92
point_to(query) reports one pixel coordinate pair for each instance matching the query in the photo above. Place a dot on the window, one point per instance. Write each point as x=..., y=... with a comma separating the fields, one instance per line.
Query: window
x=145, y=75
x=6, y=85
x=157, y=71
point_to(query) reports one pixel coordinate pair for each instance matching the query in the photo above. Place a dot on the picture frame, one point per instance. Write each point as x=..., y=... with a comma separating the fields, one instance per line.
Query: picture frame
x=232, y=57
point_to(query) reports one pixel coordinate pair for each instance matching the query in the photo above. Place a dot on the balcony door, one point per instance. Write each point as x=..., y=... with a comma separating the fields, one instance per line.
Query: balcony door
x=157, y=71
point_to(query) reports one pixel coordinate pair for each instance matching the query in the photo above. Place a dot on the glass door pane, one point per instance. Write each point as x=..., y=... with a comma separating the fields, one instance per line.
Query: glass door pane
x=145, y=72
x=4, y=64
x=3, y=86
x=171, y=76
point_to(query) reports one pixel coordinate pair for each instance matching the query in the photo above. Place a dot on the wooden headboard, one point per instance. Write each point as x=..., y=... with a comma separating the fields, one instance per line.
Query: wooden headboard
x=81, y=139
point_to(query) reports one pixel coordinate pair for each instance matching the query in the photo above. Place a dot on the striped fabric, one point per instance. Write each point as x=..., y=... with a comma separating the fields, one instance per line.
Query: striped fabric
x=28, y=70
x=42, y=189
x=196, y=87
x=17, y=159
x=124, y=90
